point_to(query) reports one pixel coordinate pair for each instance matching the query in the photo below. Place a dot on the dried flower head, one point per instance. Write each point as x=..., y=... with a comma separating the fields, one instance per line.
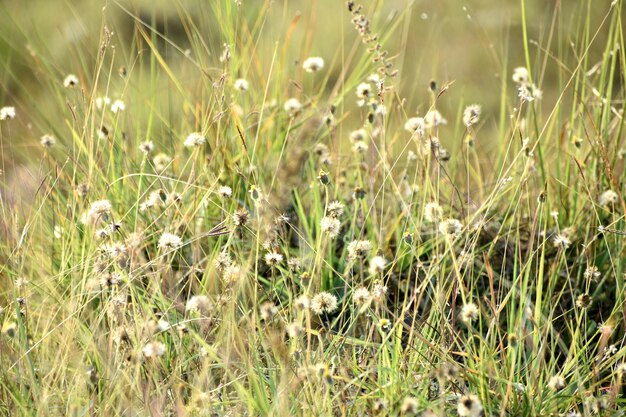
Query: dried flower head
x=335, y=209
x=241, y=85
x=608, y=198
x=273, y=259
x=225, y=191
x=118, y=106
x=377, y=265
x=416, y=126
x=7, y=113
x=521, y=75
x=169, y=241
x=70, y=81
x=292, y=106
x=194, y=139
x=358, y=249
x=471, y=115
x=268, y=311
x=469, y=406
x=433, y=118
x=153, y=350
x=409, y=406
x=556, y=383
x=47, y=141
x=584, y=301
x=469, y=313
x=146, y=146
x=313, y=64
x=361, y=296
x=433, y=212
x=302, y=302
x=241, y=217
x=561, y=241
x=324, y=302
x=451, y=227
x=330, y=226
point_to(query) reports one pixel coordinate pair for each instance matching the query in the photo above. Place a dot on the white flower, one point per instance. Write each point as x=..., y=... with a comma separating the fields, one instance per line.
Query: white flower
x=153, y=349
x=359, y=248
x=433, y=212
x=450, y=227
x=434, y=118
x=377, y=265
x=471, y=115
x=70, y=81
x=47, y=141
x=273, y=258
x=194, y=139
x=556, y=383
x=561, y=241
x=146, y=146
x=324, y=302
x=520, y=75
x=415, y=125
x=607, y=198
x=102, y=102
x=312, y=64
x=199, y=303
x=118, y=106
x=241, y=84
x=361, y=296
x=292, y=106
x=225, y=191
x=330, y=226
x=7, y=113
x=469, y=312
x=170, y=241
x=363, y=90
x=469, y=406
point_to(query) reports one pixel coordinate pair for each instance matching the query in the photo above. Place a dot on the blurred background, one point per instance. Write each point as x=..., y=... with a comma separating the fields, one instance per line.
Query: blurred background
x=475, y=43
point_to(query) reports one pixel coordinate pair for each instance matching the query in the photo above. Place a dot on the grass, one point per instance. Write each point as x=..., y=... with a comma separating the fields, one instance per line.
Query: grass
x=200, y=248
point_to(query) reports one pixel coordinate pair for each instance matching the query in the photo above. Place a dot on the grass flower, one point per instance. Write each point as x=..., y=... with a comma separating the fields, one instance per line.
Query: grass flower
x=194, y=139
x=70, y=81
x=521, y=75
x=323, y=302
x=7, y=113
x=416, y=126
x=170, y=241
x=48, y=141
x=102, y=102
x=469, y=406
x=313, y=64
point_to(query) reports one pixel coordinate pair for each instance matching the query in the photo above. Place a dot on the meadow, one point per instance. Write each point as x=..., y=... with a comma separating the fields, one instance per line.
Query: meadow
x=312, y=208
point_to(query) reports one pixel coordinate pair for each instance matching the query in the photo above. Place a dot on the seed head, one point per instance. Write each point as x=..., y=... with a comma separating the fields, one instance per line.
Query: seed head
x=471, y=115
x=47, y=141
x=118, y=106
x=313, y=64
x=273, y=259
x=146, y=147
x=324, y=302
x=556, y=383
x=361, y=296
x=409, y=406
x=608, y=198
x=70, y=81
x=433, y=212
x=153, y=350
x=359, y=248
x=170, y=241
x=469, y=406
x=469, y=313
x=7, y=113
x=292, y=106
x=330, y=226
x=241, y=84
x=377, y=265
x=194, y=139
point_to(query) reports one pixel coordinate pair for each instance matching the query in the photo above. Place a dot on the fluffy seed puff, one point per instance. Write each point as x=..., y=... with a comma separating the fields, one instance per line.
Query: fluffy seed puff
x=324, y=302
x=48, y=141
x=313, y=64
x=7, y=113
x=469, y=406
x=194, y=139
x=330, y=226
x=469, y=313
x=170, y=241
x=70, y=81
x=471, y=115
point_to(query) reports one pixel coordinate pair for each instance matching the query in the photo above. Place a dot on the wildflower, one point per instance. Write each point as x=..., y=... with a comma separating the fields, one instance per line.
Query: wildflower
x=302, y=302
x=592, y=272
x=153, y=350
x=101, y=102
x=520, y=75
x=409, y=406
x=199, y=304
x=241, y=84
x=146, y=147
x=47, y=141
x=7, y=113
x=225, y=191
x=267, y=311
x=450, y=227
x=330, y=226
x=169, y=241
x=469, y=313
x=335, y=209
x=272, y=259
x=561, y=241
x=608, y=198
x=70, y=81
x=384, y=324
x=361, y=296
x=416, y=125
x=161, y=161
x=379, y=292
x=433, y=212
x=194, y=139
x=292, y=106
x=360, y=147
x=118, y=106
x=471, y=115
x=556, y=383
x=583, y=301
x=377, y=265
x=359, y=249
x=313, y=64
x=241, y=217
x=469, y=406
x=363, y=90
x=433, y=118
x=97, y=210
x=294, y=264
x=358, y=135
x=324, y=302
x=294, y=329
